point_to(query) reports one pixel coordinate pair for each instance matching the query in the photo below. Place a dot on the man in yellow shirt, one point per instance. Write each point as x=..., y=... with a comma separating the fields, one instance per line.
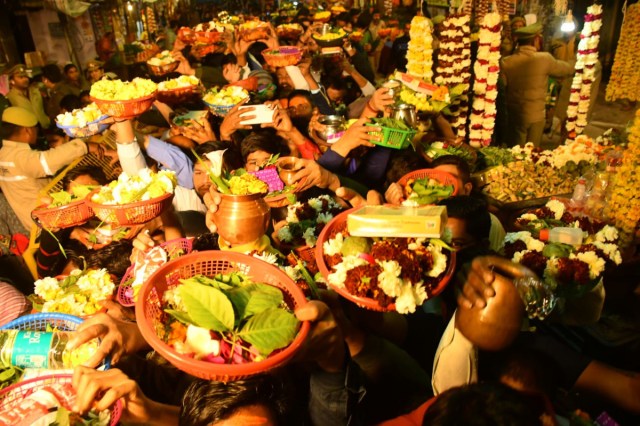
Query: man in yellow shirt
x=23, y=171
x=23, y=94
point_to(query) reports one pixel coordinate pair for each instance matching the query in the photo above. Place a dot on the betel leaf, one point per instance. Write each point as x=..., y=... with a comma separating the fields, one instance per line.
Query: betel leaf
x=262, y=297
x=211, y=282
x=62, y=417
x=270, y=330
x=183, y=317
x=208, y=307
x=239, y=298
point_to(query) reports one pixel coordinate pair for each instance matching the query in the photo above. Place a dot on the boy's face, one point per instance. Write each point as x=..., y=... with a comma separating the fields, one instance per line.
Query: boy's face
x=460, y=239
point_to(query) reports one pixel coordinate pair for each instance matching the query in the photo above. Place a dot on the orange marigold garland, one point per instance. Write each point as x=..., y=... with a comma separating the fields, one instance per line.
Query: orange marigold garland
x=625, y=75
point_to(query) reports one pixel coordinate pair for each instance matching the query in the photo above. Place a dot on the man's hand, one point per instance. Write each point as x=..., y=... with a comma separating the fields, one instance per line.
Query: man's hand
x=394, y=194
x=281, y=120
x=381, y=99
x=309, y=174
x=212, y=200
x=117, y=338
x=232, y=72
x=356, y=200
x=199, y=133
x=478, y=286
x=357, y=135
x=101, y=389
x=232, y=120
x=185, y=67
x=325, y=344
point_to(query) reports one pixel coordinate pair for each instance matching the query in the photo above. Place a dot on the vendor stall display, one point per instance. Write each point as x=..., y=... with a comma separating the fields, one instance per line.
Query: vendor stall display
x=485, y=88
x=624, y=82
x=623, y=207
x=587, y=57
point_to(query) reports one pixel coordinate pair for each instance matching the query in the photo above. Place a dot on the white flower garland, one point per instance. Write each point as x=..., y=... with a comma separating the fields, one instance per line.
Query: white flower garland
x=420, y=52
x=485, y=87
x=587, y=58
x=454, y=66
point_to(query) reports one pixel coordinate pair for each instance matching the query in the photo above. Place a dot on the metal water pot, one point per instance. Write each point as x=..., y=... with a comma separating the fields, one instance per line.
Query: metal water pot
x=331, y=125
x=406, y=113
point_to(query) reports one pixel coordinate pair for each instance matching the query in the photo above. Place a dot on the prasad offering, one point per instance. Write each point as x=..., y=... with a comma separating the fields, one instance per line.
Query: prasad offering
x=79, y=117
x=49, y=400
x=144, y=186
x=383, y=274
x=221, y=315
x=222, y=100
x=82, y=293
x=123, y=99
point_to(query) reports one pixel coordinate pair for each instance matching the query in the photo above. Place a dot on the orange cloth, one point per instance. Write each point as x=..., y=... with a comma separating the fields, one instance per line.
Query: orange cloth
x=413, y=418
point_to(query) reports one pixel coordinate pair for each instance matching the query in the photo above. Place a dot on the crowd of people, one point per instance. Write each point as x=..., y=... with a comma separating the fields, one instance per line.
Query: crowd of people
x=357, y=366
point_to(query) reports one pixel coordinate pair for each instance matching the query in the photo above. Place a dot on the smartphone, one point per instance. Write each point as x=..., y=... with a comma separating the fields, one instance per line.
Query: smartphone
x=263, y=114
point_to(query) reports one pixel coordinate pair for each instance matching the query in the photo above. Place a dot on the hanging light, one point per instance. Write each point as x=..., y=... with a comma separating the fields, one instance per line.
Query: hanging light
x=129, y=6
x=568, y=25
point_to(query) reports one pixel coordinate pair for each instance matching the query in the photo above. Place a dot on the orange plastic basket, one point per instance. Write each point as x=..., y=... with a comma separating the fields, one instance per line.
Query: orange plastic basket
x=208, y=37
x=72, y=214
x=249, y=84
x=160, y=70
x=443, y=177
x=339, y=224
x=125, y=109
x=13, y=395
x=137, y=213
x=179, y=95
x=149, y=314
x=285, y=56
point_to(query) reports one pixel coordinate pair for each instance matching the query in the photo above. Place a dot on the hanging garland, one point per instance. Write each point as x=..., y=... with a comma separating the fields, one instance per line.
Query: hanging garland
x=454, y=66
x=485, y=88
x=625, y=74
x=420, y=51
x=587, y=57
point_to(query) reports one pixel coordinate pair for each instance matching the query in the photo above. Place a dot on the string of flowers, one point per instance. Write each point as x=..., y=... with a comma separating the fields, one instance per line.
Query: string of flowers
x=485, y=88
x=454, y=66
x=624, y=82
x=623, y=207
x=420, y=51
x=587, y=57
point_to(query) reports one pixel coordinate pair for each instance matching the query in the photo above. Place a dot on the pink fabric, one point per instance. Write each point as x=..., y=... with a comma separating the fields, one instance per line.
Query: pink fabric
x=14, y=303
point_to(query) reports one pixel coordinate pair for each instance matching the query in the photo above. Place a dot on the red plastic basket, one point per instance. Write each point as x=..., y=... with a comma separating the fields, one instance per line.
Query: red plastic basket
x=124, y=295
x=149, y=312
x=72, y=214
x=208, y=37
x=14, y=394
x=338, y=224
x=137, y=213
x=249, y=84
x=286, y=55
x=443, y=177
x=125, y=109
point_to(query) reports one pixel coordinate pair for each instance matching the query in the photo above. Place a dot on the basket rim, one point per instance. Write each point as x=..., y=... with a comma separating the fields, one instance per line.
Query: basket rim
x=115, y=409
x=41, y=209
x=129, y=101
x=208, y=369
x=193, y=87
x=365, y=301
x=96, y=121
x=421, y=173
x=91, y=203
x=41, y=316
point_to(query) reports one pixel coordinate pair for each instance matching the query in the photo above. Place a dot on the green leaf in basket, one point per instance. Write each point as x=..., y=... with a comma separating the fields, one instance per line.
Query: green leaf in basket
x=254, y=298
x=183, y=317
x=62, y=417
x=81, y=191
x=61, y=198
x=207, y=306
x=270, y=330
x=211, y=282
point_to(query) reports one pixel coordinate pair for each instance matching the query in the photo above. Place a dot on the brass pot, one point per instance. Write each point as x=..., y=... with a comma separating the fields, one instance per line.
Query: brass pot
x=495, y=326
x=286, y=169
x=242, y=219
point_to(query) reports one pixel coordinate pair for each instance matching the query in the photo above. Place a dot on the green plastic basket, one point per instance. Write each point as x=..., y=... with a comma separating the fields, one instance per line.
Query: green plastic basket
x=393, y=138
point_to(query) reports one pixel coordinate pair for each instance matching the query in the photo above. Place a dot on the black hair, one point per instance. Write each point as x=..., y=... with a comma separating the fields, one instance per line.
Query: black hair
x=229, y=58
x=473, y=211
x=462, y=166
x=95, y=172
x=262, y=141
x=482, y=404
x=206, y=241
x=83, y=94
x=232, y=159
x=343, y=16
x=68, y=67
x=114, y=258
x=402, y=162
x=364, y=20
x=302, y=93
x=70, y=102
x=52, y=72
x=208, y=402
x=7, y=130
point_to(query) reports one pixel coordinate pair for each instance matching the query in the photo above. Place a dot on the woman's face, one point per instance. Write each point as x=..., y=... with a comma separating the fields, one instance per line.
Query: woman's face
x=73, y=74
x=256, y=159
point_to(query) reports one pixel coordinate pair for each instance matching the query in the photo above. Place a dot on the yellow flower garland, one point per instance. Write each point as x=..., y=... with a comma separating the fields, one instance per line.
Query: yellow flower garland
x=625, y=75
x=623, y=208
